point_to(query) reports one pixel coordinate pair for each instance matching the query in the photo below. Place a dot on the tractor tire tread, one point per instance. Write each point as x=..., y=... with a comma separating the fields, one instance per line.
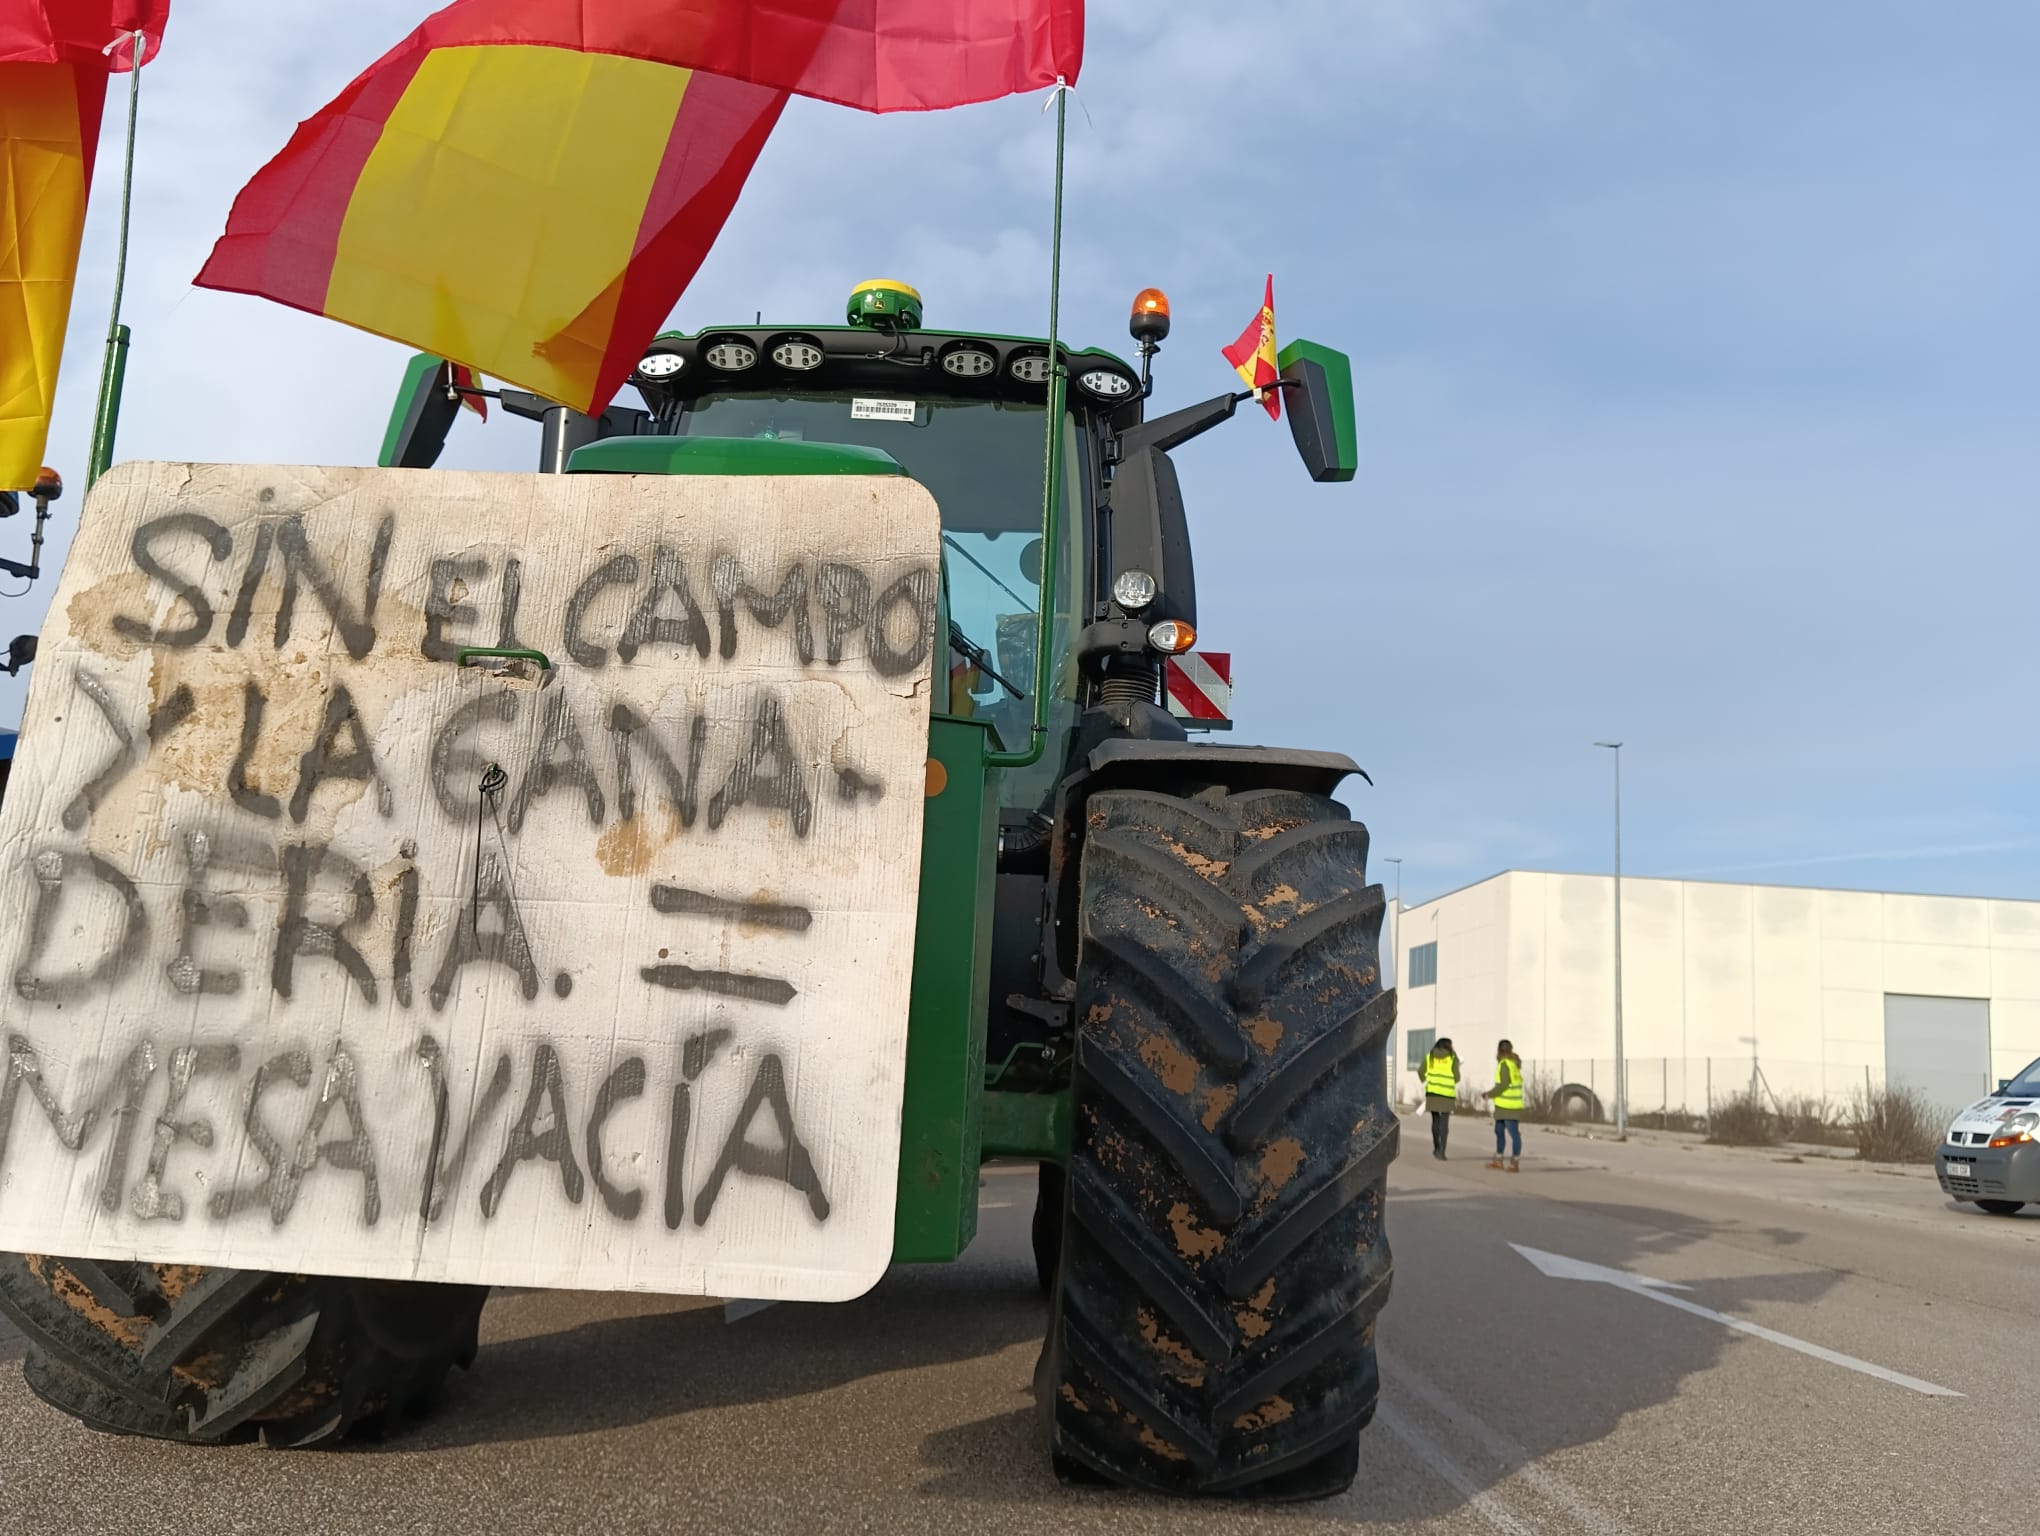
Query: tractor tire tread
x=209, y=1355
x=1223, y=1259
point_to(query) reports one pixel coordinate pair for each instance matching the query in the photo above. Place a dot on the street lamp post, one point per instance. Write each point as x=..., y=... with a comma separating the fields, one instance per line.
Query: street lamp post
x=1621, y=1073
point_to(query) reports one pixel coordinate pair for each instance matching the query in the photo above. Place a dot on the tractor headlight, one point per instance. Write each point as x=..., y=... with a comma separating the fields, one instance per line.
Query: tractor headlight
x=1106, y=383
x=968, y=362
x=1133, y=590
x=731, y=356
x=660, y=365
x=1031, y=368
x=797, y=354
x=1172, y=637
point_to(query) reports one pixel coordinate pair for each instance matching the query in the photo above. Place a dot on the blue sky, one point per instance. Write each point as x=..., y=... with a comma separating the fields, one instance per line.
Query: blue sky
x=1696, y=347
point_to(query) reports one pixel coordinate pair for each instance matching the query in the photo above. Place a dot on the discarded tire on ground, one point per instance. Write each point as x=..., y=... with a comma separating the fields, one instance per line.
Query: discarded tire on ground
x=183, y=1352
x=1574, y=1101
x=1223, y=1254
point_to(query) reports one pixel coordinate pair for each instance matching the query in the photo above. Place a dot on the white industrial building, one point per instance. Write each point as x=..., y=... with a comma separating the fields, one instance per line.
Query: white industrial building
x=1807, y=993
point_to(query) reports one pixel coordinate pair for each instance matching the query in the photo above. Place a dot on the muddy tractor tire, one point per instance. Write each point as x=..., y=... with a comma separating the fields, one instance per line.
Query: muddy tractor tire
x=187, y=1353
x=1223, y=1258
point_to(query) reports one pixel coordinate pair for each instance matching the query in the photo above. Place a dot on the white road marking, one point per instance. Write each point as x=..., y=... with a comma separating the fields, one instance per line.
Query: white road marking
x=1561, y=1268
x=1432, y=1454
x=1584, y=1512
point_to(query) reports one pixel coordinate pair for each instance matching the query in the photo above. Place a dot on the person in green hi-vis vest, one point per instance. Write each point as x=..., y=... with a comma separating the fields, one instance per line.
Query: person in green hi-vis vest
x=1507, y=1098
x=1441, y=1092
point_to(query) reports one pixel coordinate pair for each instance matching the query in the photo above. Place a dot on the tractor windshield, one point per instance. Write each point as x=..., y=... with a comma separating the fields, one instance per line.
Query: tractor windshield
x=982, y=461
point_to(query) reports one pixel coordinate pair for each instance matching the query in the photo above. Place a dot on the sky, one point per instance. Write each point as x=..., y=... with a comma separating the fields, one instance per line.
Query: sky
x=1696, y=344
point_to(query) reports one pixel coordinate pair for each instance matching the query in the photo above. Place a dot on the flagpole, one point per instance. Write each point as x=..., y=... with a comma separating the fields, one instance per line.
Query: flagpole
x=1051, y=482
x=113, y=370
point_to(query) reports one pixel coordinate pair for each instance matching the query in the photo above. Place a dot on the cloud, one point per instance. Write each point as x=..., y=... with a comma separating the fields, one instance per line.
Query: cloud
x=1692, y=347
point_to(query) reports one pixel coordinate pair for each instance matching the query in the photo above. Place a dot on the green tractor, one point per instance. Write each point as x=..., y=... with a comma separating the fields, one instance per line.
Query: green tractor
x=1144, y=961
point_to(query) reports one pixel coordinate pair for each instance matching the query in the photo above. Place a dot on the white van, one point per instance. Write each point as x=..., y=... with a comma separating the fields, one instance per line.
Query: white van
x=1992, y=1151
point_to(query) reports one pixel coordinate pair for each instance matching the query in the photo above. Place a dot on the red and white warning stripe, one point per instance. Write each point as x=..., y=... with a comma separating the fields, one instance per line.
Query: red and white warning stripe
x=1199, y=687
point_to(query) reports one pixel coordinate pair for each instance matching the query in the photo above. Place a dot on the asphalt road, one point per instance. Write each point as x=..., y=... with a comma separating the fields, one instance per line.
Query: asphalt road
x=1514, y=1402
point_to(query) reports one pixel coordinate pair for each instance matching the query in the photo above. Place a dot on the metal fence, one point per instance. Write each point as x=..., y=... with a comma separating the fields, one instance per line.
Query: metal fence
x=1693, y=1085
x=1675, y=1089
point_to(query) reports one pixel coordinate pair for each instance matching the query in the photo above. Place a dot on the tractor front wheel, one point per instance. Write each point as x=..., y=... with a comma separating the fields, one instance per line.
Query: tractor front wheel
x=196, y=1354
x=1223, y=1258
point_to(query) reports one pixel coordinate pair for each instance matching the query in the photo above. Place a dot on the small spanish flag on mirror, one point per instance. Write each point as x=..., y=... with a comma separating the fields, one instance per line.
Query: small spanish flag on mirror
x=1253, y=355
x=462, y=381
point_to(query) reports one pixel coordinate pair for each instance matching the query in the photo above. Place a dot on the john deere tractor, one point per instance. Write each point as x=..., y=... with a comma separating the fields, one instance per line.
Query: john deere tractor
x=1143, y=960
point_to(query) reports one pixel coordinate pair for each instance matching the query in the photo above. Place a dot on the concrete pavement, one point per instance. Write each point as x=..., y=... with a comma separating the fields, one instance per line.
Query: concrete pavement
x=1513, y=1402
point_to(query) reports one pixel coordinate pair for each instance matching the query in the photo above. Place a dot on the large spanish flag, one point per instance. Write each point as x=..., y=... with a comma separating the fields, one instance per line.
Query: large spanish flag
x=527, y=186
x=79, y=31
x=53, y=69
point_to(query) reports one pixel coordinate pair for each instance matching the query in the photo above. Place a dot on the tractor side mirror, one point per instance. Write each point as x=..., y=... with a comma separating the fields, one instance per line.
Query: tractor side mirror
x=423, y=415
x=1318, y=393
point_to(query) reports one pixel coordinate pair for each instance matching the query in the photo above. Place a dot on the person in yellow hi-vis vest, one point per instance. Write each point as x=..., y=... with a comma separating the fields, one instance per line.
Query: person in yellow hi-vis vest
x=1507, y=1098
x=1441, y=1092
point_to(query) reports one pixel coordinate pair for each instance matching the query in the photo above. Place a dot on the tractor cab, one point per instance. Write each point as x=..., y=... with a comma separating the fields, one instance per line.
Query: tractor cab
x=1014, y=731
x=965, y=415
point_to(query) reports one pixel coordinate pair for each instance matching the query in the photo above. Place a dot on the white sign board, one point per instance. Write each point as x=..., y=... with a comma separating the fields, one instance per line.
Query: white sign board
x=327, y=953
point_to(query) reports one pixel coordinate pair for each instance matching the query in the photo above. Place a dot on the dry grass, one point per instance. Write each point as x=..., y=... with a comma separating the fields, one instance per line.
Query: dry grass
x=1541, y=1104
x=1807, y=1119
x=1537, y=1105
x=1667, y=1120
x=1895, y=1125
x=1901, y=1126
x=1743, y=1120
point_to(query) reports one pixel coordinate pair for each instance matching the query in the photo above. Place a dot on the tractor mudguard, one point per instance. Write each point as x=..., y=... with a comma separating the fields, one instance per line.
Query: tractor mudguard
x=1115, y=763
x=1143, y=746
